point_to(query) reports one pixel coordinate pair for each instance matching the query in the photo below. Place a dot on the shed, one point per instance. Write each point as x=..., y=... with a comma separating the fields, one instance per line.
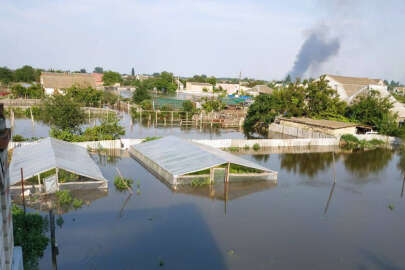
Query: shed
x=334, y=128
x=179, y=161
x=49, y=153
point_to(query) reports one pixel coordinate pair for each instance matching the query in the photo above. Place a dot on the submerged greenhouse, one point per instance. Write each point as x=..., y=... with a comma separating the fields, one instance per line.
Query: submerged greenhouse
x=50, y=164
x=180, y=161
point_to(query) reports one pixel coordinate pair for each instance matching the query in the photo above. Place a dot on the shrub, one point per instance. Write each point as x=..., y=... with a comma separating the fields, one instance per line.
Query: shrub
x=77, y=203
x=29, y=233
x=122, y=183
x=148, y=139
x=64, y=197
x=256, y=147
x=18, y=138
x=233, y=149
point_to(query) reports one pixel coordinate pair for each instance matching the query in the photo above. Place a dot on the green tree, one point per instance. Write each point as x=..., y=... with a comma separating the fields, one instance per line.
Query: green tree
x=98, y=70
x=26, y=74
x=164, y=82
x=188, y=106
x=89, y=97
x=6, y=75
x=111, y=77
x=34, y=91
x=83, y=70
x=141, y=93
x=62, y=112
x=133, y=72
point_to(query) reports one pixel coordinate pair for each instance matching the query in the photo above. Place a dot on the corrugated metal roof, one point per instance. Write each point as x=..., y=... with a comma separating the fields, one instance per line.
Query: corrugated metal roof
x=179, y=156
x=51, y=153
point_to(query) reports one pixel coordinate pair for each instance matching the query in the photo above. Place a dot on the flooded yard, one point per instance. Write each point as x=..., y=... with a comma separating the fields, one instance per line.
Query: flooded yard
x=303, y=222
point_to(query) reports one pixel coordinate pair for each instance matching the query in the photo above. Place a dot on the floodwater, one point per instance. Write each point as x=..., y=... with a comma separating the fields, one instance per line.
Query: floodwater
x=303, y=222
x=135, y=129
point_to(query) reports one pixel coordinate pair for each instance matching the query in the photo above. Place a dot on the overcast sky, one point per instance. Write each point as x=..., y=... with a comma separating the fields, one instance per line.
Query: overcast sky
x=221, y=38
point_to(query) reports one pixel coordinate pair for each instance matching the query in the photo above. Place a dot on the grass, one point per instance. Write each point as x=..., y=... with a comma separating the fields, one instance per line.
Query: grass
x=349, y=141
x=148, y=139
x=122, y=183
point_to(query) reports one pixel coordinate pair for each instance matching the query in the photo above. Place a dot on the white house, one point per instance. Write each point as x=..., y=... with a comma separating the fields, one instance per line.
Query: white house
x=198, y=87
x=349, y=88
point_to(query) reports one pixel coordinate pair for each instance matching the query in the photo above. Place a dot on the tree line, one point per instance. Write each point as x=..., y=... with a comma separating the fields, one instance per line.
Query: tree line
x=315, y=99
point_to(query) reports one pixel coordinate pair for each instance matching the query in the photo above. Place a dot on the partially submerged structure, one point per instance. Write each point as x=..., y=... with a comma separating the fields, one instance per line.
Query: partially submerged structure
x=180, y=161
x=303, y=127
x=49, y=156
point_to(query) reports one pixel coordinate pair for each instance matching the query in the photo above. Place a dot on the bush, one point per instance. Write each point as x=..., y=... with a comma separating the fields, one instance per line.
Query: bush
x=148, y=139
x=29, y=233
x=122, y=183
x=233, y=149
x=256, y=147
x=64, y=197
x=18, y=138
x=77, y=203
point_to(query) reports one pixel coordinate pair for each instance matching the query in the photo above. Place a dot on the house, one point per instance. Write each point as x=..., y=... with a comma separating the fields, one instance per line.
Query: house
x=52, y=81
x=198, y=87
x=315, y=128
x=262, y=89
x=230, y=88
x=349, y=88
x=98, y=77
x=399, y=90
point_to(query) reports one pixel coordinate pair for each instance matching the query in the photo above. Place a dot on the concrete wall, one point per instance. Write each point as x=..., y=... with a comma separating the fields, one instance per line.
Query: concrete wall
x=296, y=131
x=267, y=143
x=308, y=131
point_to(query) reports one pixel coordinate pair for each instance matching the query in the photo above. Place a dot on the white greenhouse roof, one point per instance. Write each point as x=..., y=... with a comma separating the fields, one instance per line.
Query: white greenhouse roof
x=179, y=156
x=50, y=153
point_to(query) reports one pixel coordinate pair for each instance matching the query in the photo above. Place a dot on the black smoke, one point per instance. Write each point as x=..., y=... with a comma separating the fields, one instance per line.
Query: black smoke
x=316, y=49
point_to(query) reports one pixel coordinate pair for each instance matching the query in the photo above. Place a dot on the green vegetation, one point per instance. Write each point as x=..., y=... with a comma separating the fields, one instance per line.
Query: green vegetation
x=64, y=197
x=315, y=99
x=233, y=168
x=246, y=147
x=148, y=139
x=203, y=79
x=256, y=147
x=188, y=106
x=348, y=141
x=29, y=233
x=111, y=77
x=20, y=138
x=141, y=93
x=391, y=207
x=213, y=105
x=122, y=183
x=233, y=149
x=66, y=200
x=199, y=182
x=34, y=91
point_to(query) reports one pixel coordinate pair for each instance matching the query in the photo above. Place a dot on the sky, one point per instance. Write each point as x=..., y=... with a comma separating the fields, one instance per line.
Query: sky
x=259, y=38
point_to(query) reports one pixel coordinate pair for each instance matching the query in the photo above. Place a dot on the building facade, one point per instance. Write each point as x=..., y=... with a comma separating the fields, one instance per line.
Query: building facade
x=55, y=82
x=10, y=256
x=199, y=87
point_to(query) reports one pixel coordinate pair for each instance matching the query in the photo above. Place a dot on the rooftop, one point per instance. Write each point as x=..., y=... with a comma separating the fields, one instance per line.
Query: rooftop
x=354, y=80
x=48, y=154
x=178, y=157
x=319, y=123
x=67, y=80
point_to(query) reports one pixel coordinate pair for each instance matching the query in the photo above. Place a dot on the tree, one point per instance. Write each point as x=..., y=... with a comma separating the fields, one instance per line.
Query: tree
x=6, y=75
x=288, y=79
x=165, y=82
x=63, y=113
x=85, y=96
x=34, y=91
x=141, y=93
x=133, y=72
x=98, y=70
x=111, y=77
x=83, y=70
x=26, y=74
x=188, y=106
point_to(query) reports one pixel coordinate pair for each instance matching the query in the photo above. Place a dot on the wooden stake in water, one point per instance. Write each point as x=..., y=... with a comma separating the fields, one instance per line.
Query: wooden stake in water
x=334, y=167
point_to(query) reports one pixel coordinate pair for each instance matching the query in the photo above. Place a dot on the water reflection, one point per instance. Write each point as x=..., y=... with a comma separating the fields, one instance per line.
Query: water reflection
x=362, y=164
x=306, y=163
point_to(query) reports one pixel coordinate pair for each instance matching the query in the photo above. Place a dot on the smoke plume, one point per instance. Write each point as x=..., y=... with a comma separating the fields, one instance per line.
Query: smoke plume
x=316, y=49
